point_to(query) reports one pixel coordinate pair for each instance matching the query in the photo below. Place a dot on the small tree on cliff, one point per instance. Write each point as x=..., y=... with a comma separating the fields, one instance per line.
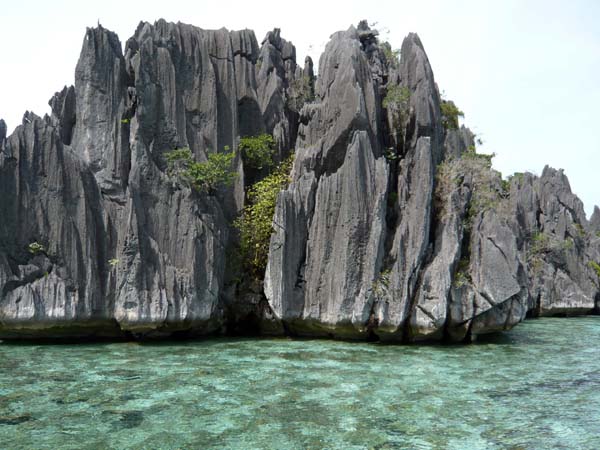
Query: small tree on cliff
x=255, y=224
x=204, y=176
x=450, y=114
x=257, y=151
x=397, y=103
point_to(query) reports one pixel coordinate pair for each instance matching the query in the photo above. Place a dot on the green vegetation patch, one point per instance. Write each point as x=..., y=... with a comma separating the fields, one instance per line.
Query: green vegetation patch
x=257, y=151
x=450, y=114
x=381, y=284
x=35, y=248
x=462, y=275
x=204, y=176
x=255, y=224
x=391, y=56
x=397, y=99
x=594, y=265
x=488, y=191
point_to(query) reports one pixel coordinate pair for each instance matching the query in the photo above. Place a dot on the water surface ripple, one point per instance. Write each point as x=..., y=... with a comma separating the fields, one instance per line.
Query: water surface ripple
x=537, y=387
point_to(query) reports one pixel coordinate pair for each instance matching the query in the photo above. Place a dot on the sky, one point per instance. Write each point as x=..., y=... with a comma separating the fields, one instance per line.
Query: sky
x=526, y=73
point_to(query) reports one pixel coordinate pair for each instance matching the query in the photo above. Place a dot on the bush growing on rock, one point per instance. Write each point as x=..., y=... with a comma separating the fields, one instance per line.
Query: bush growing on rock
x=257, y=151
x=461, y=274
x=204, y=176
x=256, y=221
x=450, y=114
x=391, y=56
x=113, y=262
x=397, y=100
x=381, y=285
x=486, y=183
x=36, y=248
x=544, y=246
x=594, y=265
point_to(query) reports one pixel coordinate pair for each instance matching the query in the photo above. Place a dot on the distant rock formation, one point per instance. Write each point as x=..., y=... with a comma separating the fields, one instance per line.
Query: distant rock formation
x=392, y=228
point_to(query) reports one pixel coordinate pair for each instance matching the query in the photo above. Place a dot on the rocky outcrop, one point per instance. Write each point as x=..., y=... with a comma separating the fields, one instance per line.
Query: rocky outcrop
x=391, y=228
x=494, y=296
x=124, y=247
x=450, y=267
x=2, y=133
x=558, y=244
x=595, y=220
x=318, y=280
x=277, y=73
x=458, y=141
x=53, y=269
x=64, y=113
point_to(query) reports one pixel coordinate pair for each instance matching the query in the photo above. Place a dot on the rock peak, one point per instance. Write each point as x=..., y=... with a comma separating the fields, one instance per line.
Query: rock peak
x=2, y=131
x=595, y=220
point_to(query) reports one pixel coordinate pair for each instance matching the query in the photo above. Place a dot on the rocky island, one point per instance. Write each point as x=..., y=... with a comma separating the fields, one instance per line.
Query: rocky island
x=388, y=225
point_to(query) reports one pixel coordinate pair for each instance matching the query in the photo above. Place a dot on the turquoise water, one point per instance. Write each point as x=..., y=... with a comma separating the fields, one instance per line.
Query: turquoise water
x=535, y=387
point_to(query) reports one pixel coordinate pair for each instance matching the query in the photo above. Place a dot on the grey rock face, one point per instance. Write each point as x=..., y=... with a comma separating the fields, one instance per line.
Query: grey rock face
x=2, y=133
x=101, y=82
x=495, y=299
x=416, y=74
x=276, y=72
x=558, y=244
x=392, y=226
x=431, y=307
x=411, y=236
x=421, y=151
x=246, y=53
x=595, y=220
x=458, y=141
x=170, y=240
x=126, y=249
x=64, y=112
x=318, y=279
x=50, y=198
x=433, y=278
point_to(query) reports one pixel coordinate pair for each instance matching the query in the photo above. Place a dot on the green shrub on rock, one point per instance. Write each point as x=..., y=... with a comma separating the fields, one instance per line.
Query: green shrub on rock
x=594, y=265
x=36, y=248
x=381, y=284
x=113, y=262
x=256, y=221
x=462, y=276
x=486, y=185
x=397, y=100
x=392, y=56
x=257, y=151
x=204, y=176
x=450, y=114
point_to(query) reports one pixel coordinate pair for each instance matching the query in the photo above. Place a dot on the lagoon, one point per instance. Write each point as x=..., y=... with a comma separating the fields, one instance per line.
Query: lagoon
x=537, y=386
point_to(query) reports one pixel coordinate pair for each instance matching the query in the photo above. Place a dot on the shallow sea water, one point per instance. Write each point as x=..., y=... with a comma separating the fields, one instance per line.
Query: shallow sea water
x=536, y=387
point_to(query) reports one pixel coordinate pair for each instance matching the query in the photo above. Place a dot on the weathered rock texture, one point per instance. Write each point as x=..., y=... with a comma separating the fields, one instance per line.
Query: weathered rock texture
x=126, y=249
x=392, y=226
x=380, y=255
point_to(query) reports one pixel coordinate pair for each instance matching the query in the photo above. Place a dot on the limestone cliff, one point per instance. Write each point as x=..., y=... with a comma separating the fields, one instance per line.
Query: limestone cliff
x=392, y=227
